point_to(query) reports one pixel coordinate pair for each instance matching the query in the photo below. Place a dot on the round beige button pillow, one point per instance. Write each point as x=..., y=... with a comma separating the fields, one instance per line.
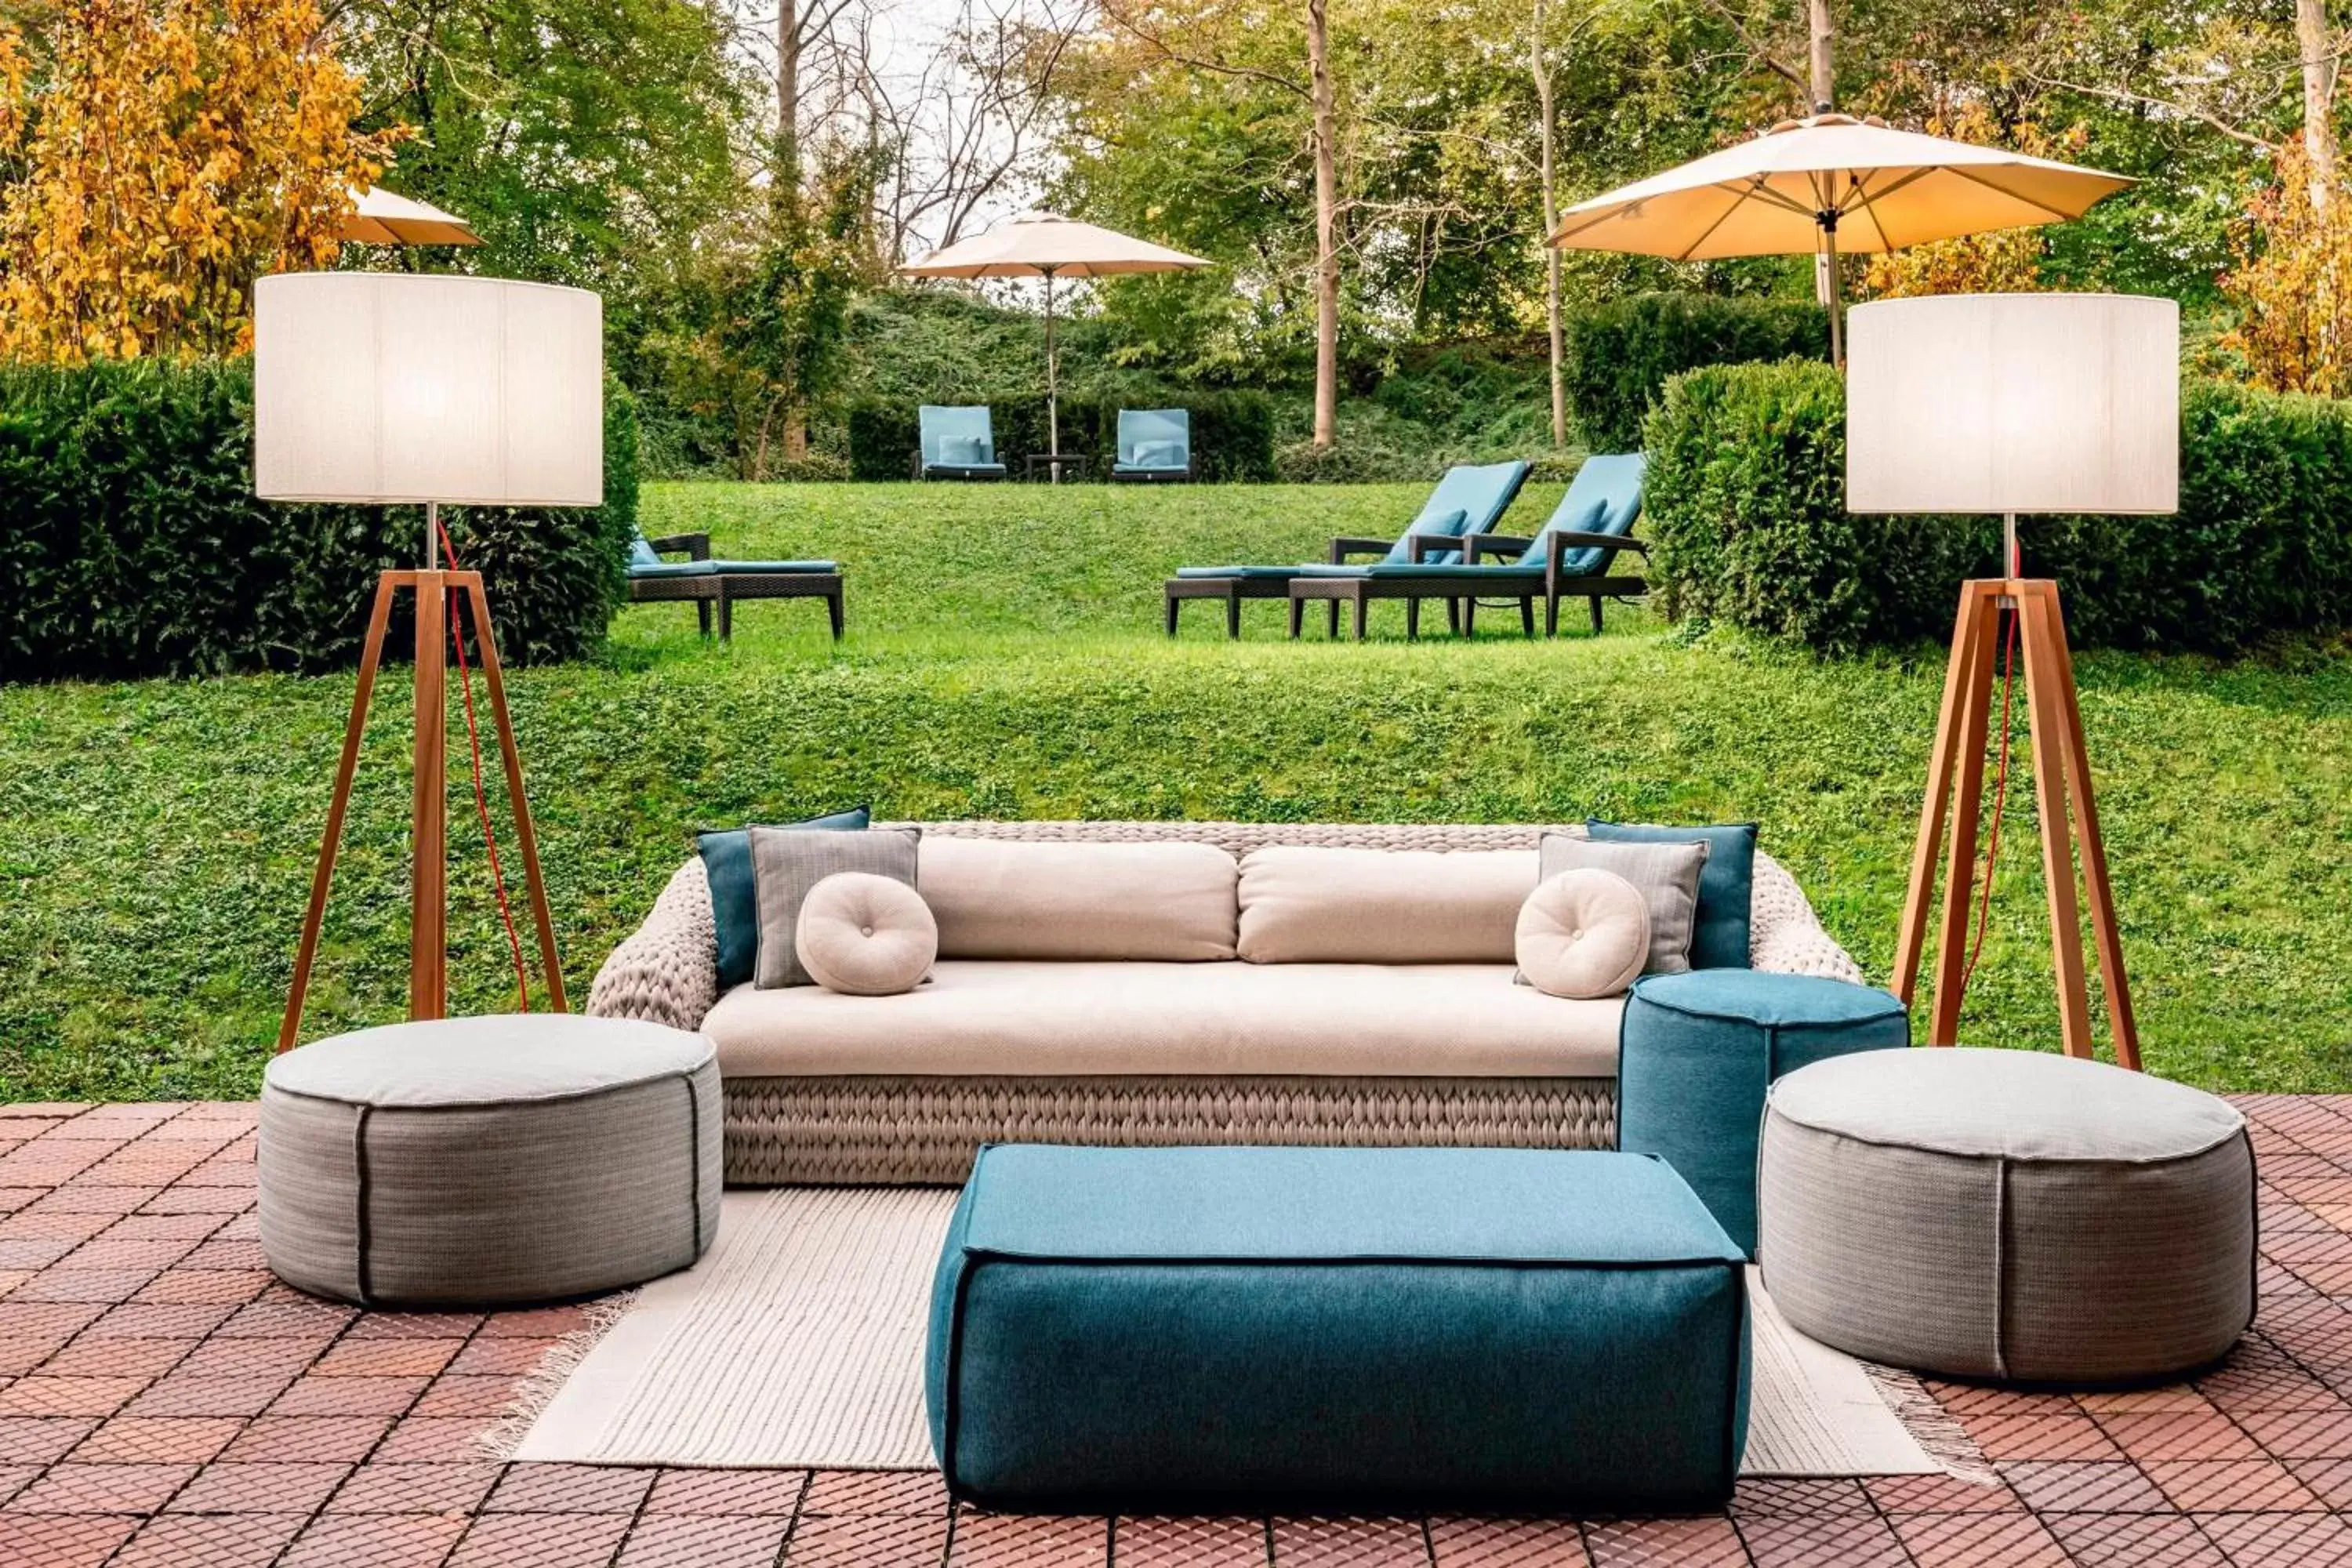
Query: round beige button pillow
x=866, y=935
x=1583, y=933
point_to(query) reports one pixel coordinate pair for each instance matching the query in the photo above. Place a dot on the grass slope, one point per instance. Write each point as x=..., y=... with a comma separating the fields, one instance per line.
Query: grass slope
x=1004, y=660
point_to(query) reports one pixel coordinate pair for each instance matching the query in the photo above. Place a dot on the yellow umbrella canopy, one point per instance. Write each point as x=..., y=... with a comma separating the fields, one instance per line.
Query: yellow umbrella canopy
x=1048, y=246
x=1831, y=183
x=387, y=218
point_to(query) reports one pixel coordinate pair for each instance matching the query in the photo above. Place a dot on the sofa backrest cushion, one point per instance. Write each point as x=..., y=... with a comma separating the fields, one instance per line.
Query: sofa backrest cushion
x=1310, y=905
x=999, y=899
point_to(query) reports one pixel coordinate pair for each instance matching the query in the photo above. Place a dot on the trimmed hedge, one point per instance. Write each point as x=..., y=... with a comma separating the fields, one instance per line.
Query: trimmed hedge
x=1619, y=354
x=1232, y=434
x=135, y=545
x=1745, y=517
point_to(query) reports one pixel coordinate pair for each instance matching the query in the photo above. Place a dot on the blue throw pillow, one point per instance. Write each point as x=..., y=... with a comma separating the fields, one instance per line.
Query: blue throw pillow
x=1454, y=525
x=642, y=553
x=1157, y=455
x=735, y=893
x=963, y=450
x=1725, y=887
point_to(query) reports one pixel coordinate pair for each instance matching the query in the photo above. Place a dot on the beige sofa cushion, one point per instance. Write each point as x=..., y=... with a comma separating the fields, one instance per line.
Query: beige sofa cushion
x=866, y=935
x=996, y=898
x=1049, y=1019
x=1303, y=905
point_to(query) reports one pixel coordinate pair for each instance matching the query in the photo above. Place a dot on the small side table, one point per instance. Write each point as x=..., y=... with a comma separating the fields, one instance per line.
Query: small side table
x=1055, y=462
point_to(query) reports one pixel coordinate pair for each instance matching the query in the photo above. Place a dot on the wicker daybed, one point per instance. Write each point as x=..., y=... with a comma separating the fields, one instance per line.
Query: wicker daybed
x=813, y=1124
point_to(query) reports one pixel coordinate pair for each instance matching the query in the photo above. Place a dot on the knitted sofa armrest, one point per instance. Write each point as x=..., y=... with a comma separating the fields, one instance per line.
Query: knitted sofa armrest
x=667, y=971
x=1785, y=937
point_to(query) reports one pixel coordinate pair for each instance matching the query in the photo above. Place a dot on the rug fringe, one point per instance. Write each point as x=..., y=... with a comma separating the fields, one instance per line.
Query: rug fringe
x=535, y=1392
x=1933, y=1427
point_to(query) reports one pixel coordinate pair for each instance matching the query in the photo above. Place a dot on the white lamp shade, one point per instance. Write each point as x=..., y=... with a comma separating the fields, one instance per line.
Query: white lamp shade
x=2013, y=402
x=395, y=387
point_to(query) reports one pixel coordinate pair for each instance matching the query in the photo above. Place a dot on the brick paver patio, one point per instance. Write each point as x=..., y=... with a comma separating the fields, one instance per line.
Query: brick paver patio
x=163, y=1401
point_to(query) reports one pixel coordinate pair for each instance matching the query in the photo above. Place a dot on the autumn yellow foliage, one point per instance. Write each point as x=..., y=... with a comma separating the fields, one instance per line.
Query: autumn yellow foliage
x=2004, y=261
x=156, y=156
x=2293, y=285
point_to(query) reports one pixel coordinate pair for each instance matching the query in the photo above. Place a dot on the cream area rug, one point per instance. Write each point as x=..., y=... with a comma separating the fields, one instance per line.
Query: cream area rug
x=797, y=1342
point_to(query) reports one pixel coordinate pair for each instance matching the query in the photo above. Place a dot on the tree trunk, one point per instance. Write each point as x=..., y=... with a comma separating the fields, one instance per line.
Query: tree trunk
x=788, y=97
x=1326, y=224
x=1822, y=81
x=1820, y=35
x=2312, y=41
x=1551, y=223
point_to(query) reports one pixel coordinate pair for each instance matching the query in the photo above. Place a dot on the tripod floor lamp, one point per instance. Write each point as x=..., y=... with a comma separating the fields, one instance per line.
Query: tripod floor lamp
x=400, y=389
x=2014, y=403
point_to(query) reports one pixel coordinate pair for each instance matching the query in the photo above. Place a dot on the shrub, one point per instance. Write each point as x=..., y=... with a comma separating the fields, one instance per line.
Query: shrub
x=1619, y=354
x=1747, y=521
x=135, y=544
x=1233, y=433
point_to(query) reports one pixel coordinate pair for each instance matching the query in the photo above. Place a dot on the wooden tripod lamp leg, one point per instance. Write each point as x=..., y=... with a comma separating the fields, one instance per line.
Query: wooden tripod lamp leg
x=1911, y=937
x=428, y=936
x=2046, y=683
x=323, y=876
x=2107, y=936
x=1960, y=872
x=478, y=610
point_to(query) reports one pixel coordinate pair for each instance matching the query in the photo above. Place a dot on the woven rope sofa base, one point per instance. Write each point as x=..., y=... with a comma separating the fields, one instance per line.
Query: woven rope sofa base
x=917, y=1132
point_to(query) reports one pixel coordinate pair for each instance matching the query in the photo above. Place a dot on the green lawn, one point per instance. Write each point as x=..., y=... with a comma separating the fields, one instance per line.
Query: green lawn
x=1004, y=660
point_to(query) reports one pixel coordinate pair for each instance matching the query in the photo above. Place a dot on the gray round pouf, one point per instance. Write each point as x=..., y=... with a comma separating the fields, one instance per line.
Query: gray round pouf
x=2007, y=1215
x=479, y=1161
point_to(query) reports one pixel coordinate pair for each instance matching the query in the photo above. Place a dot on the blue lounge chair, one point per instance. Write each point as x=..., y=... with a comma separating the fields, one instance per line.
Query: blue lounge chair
x=707, y=582
x=1155, y=446
x=1568, y=557
x=1469, y=500
x=956, y=443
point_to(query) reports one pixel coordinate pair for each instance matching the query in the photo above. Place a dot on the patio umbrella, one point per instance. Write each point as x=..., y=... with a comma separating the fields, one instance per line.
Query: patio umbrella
x=1045, y=245
x=1828, y=183
x=387, y=218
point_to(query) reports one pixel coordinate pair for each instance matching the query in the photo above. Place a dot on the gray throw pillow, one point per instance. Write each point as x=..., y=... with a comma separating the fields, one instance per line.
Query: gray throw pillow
x=1666, y=873
x=786, y=862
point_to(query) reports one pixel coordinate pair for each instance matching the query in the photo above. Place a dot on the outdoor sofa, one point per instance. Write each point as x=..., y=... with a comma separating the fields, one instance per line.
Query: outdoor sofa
x=1468, y=499
x=1568, y=557
x=1134, y=982
x=706, y=582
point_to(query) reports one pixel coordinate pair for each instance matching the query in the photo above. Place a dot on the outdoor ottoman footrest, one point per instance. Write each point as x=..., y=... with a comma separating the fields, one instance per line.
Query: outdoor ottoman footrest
x=1292, y=1329
x=476, y=1160
x=2008, y=1214
x=1697, y=1051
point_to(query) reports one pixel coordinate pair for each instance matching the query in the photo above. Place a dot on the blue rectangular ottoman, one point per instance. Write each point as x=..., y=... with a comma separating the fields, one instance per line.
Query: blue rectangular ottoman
x=1261, y=1328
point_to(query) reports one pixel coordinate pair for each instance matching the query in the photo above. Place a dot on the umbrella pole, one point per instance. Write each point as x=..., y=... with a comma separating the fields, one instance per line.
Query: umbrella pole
x=1053, y=389
x=1837, y=296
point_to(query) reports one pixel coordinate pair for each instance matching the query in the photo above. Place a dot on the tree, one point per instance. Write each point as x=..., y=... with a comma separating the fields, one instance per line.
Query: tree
x=2293, y=288
x=1554, y=328
x=1327, y=223
x=156, y=156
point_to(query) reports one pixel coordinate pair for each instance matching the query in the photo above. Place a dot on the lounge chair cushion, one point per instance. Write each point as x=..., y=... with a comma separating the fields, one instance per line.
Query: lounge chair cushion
x=1257, y=574
x=864, y=935
x=996, y=898
x=673, y=569
x=734, y=894
x=776, y=568
x=1452, y=526
x=1614, y=479
x=984, y=1017
x=1303, y=904
x=1666, y=873
x=1725, y=888
x=786, y=862
x=1154, y=438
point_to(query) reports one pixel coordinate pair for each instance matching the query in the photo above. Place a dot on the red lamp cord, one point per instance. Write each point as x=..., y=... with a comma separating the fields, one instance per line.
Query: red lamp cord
x=1999, y=788
x=481, y=796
